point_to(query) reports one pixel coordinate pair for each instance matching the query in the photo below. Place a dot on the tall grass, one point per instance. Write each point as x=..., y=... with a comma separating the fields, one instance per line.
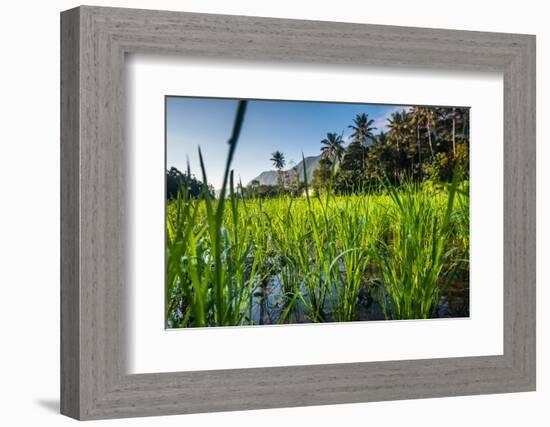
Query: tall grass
x=416, y=261
x=321, y=255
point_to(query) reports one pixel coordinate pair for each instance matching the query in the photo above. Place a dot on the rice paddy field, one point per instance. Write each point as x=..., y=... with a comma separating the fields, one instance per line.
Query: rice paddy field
x=399, y=253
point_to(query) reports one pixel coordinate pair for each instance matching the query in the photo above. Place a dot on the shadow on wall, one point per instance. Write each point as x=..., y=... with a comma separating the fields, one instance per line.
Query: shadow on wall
x=51, y=405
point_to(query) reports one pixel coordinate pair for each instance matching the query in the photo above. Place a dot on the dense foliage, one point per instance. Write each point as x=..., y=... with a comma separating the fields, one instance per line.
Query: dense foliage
x=422, y=143
x=402, y=249
x=176, y=181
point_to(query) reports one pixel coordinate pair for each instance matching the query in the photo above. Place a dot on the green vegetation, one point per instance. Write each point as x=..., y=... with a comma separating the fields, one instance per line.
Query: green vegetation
x=279, y=162
x=394, y=236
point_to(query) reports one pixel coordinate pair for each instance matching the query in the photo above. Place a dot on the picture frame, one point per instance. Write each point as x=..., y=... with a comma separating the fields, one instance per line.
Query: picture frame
x=94, y=242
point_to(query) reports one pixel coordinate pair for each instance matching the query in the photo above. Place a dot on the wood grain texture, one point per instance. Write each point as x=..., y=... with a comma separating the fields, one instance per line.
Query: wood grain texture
x=70, y=292
x=94, y=269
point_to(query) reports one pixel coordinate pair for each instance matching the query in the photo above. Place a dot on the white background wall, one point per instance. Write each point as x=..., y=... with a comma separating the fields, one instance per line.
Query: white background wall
x=29, y=214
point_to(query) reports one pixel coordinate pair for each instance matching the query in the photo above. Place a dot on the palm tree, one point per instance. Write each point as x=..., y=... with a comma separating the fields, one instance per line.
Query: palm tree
x=362, y=129
x=397, y=126
x=416, y=119
x=333, y=147
x=425, y=117
x=455, y=114
x=428, y=116
x=430, y=125
x=454, y=132
x=278, y=160
x=448, y=121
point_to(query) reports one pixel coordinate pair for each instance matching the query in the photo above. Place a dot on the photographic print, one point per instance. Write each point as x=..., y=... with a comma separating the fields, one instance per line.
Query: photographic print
x=287, y=212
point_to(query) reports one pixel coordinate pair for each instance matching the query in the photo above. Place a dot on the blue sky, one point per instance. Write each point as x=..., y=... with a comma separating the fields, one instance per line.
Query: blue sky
x=289, y=126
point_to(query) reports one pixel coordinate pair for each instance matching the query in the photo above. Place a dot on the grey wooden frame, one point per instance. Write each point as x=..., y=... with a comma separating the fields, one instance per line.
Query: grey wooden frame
x=94, y=382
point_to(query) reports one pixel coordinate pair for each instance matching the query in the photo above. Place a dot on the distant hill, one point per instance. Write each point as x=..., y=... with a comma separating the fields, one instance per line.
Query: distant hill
x=270, y=177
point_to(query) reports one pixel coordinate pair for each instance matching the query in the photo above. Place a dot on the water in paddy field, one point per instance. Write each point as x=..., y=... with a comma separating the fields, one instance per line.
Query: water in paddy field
x=269, y=303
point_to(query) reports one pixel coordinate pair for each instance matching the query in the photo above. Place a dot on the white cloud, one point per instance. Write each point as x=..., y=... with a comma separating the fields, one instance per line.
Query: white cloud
x=381, y=122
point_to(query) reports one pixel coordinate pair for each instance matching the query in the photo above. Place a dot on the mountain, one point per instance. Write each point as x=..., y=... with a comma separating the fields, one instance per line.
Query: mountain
x=270, y=177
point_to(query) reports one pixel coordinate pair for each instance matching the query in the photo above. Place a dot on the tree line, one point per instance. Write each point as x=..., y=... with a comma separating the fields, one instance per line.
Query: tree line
x=421, y=143
x=175, y=179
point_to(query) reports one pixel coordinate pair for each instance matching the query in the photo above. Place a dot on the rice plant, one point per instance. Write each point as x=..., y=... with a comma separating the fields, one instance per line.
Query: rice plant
x=416, y=262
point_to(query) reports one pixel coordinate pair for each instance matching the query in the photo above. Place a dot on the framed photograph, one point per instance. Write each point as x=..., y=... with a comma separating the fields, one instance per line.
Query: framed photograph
x=372, y=222
x=261, y=213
